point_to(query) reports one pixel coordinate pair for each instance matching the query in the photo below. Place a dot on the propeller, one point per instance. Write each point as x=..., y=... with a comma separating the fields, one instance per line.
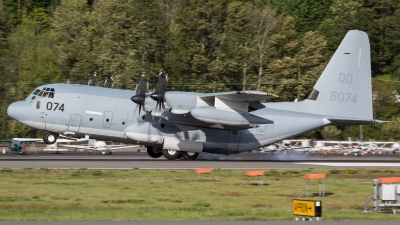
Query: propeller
x=159, y=96
x=141, y=93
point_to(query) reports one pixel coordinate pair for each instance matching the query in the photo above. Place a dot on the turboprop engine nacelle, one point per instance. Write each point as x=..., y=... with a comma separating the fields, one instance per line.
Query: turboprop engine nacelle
x=212, y=115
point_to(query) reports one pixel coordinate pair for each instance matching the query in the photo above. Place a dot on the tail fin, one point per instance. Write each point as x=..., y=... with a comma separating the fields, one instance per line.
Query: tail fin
x=344, y=91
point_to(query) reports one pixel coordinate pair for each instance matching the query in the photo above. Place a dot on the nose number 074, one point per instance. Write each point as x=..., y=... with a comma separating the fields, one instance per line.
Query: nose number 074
x=54, y=106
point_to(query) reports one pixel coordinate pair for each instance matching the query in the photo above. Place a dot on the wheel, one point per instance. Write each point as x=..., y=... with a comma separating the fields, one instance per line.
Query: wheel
x=50, y=138
x=171, y=154
x=153, y=152
x=190, y=155
x=107, y=152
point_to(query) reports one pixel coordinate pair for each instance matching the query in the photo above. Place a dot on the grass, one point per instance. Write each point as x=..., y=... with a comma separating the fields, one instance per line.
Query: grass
x=43, y=195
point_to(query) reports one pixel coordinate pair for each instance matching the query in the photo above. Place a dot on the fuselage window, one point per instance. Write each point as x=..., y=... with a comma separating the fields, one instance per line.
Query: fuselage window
x=45, y=92
x=36, y=92
x=38, y=104
x=33, y=97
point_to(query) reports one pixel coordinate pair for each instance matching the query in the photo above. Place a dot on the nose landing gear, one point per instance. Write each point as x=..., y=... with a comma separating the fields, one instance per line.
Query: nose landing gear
x=50, y=138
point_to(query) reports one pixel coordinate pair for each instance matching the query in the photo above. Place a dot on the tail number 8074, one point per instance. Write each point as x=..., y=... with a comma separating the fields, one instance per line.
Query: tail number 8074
x=343, y=97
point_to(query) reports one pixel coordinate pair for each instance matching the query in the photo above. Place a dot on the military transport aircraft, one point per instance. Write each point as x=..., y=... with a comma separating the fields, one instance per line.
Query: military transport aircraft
x=175, y=124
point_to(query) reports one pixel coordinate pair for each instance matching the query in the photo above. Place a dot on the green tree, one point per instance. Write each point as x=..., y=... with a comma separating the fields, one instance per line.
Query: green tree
x=31, y=61
x=330, y=132
x=265, y=19
x=310, y=62
x=385, y=102
x=71, y=30
x=392, y=129
x=308, y=14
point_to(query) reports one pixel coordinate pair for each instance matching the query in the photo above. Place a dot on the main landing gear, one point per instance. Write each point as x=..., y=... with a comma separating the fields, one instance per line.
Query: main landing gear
x=50, y=138
x=171, y=154
x=154, y=152
x=190, y=155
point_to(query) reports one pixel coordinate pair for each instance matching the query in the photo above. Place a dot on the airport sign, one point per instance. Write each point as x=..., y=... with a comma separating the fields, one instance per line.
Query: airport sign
x=312, y=208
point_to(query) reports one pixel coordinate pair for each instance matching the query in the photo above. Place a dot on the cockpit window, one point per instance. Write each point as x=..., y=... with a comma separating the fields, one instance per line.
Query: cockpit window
x=45, y=93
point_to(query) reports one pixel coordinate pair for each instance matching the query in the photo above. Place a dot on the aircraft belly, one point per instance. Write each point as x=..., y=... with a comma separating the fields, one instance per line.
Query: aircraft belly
x=173, y=143
x=233, y=140
x=286, y=126
x=100, y=131
x=215, y=139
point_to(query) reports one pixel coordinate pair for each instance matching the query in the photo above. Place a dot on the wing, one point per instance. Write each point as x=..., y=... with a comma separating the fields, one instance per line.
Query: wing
x=119, y=146
x=181, y=103
x=27, y=139
x=224, y=110
x=79, y=146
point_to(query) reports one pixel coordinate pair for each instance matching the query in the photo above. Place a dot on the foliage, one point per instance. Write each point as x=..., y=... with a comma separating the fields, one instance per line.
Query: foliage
x=392, y=129
x=330, y=132
x=207, y=46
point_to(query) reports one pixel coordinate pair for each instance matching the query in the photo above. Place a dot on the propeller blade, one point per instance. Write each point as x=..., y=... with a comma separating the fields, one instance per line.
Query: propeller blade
x=140, y=96
x=159, y=95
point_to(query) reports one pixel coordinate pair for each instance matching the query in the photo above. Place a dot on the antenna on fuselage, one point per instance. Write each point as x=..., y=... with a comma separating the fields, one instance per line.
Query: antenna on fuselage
x=109, y=84
x=94, y=79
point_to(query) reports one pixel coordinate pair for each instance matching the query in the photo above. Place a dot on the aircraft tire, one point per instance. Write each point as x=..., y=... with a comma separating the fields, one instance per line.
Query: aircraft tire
x=171, y=154
x=107, y=152
x=50, y=138
x=152, y=153
x=190, y=155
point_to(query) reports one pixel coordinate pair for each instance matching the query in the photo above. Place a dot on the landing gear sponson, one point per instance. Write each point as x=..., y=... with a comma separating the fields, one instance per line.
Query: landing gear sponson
x=171, y=154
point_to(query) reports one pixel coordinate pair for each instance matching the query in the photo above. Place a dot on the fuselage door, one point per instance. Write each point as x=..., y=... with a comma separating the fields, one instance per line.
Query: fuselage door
x=37, y=115
x=233, y=140
x=74, y=122
x=107, y=119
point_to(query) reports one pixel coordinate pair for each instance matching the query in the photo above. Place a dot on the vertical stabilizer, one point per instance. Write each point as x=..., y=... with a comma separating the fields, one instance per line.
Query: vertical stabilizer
x=344, y=88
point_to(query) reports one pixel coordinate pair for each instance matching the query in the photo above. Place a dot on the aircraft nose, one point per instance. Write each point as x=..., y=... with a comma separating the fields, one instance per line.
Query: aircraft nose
x=19, y=111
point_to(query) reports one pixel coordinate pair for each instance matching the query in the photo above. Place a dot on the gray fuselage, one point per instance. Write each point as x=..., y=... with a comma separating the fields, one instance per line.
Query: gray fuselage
x=109, y=114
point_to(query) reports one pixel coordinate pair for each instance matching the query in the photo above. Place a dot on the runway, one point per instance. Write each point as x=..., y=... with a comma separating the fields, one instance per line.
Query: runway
x=140, y=160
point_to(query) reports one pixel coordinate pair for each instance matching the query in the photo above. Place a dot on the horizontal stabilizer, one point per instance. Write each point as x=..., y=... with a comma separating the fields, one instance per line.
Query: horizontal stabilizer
x=347, y=122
